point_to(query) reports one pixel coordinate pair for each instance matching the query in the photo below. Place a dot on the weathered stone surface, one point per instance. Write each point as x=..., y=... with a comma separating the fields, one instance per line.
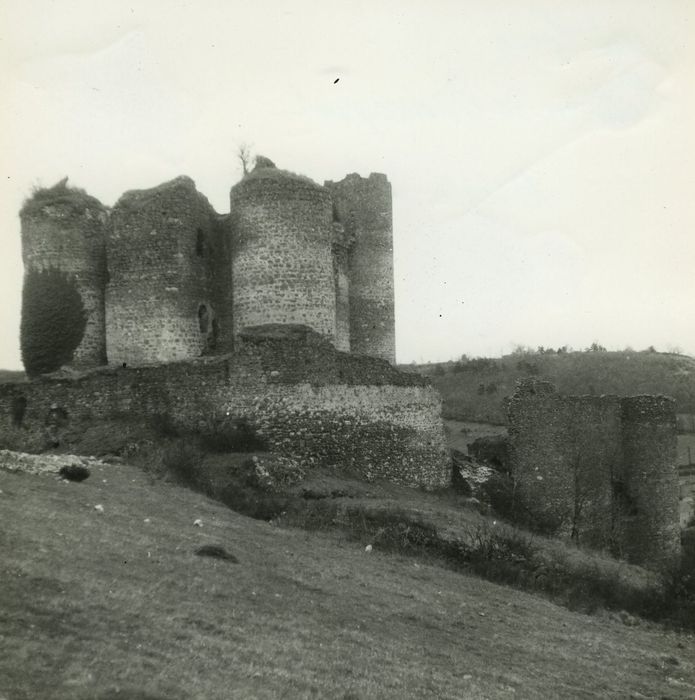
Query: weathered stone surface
x=363, y=206
x=168, y=293
x=599, y=469
x=308, y=402
x=469, y=476
x=282, y=260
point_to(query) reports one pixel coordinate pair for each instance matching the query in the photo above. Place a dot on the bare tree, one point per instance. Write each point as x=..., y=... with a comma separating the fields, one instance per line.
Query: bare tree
x=245, y=158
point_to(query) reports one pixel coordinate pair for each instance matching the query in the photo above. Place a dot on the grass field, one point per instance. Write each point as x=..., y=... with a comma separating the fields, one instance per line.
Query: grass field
x=117, y=605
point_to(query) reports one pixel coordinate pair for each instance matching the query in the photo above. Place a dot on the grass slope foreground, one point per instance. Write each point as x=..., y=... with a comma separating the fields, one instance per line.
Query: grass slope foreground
x=115, y=602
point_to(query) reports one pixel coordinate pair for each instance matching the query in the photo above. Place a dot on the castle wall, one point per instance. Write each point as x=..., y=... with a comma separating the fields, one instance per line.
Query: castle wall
x=364, y=207
x=67, y=232
x=652, y=528
x=308, y=401
x=282, y=264
x=164, y=246
x=599, y=469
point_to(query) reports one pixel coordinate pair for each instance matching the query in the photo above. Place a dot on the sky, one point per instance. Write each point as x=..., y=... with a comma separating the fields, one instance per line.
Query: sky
x=540, y=153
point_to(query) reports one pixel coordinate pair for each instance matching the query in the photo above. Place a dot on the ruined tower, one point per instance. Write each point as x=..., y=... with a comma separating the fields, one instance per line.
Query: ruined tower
x=282, y=265
x=363, y=206
x=63, y=228
x=601, y=469
x=650, y=475
x=166, y=250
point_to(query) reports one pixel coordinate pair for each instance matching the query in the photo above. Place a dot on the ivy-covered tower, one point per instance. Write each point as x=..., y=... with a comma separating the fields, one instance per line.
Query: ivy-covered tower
x=63, y=230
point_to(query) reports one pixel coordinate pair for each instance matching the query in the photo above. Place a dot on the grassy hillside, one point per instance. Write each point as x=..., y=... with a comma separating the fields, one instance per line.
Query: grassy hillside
x=474, y=390
x=115, y=604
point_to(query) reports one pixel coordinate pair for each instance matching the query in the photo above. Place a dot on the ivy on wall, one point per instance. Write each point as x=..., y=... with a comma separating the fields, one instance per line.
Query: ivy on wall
x=53, y=320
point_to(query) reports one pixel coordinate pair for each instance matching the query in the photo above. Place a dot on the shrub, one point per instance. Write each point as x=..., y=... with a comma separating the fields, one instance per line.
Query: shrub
x=53, y=320
x=248, y=501
x=75, y=199
x=21, y=440
x=181, y=458
x=234, y=435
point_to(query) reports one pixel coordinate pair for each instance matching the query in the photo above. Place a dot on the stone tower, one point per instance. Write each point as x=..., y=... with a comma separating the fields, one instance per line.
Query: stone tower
x=282, y=262
x=166, y=252
x=342, y=240
x=363, y=206
x=650, y=517
x=63, y=228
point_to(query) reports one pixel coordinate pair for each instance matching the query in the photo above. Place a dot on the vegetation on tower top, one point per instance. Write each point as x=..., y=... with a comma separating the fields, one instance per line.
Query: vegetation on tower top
x=265, y=169
x=60, y=194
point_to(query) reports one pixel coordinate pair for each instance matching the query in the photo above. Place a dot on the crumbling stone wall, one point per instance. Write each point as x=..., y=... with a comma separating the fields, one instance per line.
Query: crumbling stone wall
x=307, y=400
x=363, y=205
x=282, y=263
x=164, y=300
x=599, y=469
x=651, y=523
x=64, y=228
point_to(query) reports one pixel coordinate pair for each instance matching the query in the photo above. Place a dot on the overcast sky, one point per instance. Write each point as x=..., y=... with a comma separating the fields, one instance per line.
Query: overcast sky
x=541, y=153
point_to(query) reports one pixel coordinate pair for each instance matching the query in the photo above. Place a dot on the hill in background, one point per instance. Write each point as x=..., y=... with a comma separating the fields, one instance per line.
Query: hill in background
x=475, y=389
x=10, y=375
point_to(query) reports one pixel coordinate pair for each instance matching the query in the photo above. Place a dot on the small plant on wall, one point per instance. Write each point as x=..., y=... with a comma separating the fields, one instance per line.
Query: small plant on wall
x=53, y=320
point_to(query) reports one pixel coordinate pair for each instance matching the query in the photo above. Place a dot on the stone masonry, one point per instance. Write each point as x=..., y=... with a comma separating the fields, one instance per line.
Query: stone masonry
x=305, y=399
x=163, y=277
x=601, y=469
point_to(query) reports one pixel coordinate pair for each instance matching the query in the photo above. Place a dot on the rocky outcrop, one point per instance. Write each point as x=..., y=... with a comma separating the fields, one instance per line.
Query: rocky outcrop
x=43, y=464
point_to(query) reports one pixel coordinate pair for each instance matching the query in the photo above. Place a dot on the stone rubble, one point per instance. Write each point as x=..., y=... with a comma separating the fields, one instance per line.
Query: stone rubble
x=43, y=463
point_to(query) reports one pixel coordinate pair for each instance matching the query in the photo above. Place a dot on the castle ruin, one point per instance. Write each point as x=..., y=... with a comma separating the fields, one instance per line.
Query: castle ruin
x=163, y=277
x=599, y=469
x=279, y=314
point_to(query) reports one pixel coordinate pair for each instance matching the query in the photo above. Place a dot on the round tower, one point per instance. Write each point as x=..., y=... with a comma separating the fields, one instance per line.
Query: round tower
x=166, y=252
x=341, y=275
x=649, y=514
x=363, y=205
x=282, y=262
x=63, y=229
